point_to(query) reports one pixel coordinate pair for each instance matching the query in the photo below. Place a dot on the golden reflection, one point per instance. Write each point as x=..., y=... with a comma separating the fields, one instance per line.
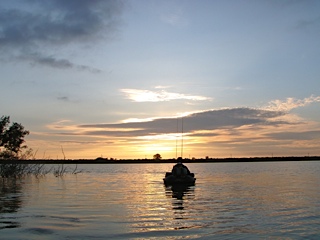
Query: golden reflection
x=147, y=208
x=180, y=201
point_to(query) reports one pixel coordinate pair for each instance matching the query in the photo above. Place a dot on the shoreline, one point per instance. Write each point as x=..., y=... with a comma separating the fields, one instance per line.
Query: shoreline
x=140, y=161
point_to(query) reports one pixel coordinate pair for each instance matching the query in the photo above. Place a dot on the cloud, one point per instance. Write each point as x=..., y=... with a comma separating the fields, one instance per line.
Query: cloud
x=86, y=142
x=302, y=24
x=64, y=99
x=201, y=121
x=138, y=95
x=291, y=103
x=50, y=61
x=41, y=24
x=174, y=19
x=174, y=16
x=244, y=131
x=296, y=135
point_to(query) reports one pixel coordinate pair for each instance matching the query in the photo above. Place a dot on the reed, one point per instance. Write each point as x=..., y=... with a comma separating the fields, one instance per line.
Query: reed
x=19, y=170
x=9, y=169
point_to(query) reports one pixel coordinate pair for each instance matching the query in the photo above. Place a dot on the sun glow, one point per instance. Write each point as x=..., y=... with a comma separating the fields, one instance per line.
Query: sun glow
x=164, y=150
x=142, y=95
x=163, y=137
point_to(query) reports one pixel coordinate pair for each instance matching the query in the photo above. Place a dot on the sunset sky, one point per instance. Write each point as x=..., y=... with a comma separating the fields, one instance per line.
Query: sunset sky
x=114, y=79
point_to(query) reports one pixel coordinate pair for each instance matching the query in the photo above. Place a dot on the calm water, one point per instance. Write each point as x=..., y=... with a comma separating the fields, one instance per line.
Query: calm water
x=276, y=200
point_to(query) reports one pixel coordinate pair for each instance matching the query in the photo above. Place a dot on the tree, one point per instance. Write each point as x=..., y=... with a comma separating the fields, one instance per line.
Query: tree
x=157, y=156
x=11, y=137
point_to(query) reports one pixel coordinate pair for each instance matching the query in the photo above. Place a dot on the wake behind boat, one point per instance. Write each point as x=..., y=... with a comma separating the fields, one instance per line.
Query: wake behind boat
x=180, y=174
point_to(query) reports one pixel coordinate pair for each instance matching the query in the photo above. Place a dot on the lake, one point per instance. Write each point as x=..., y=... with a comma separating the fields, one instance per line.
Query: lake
x=264, y=200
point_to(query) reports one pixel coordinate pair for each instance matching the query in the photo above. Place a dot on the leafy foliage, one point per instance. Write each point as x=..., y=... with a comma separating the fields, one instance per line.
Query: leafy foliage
x=11, y=137
x=157, y=156
x=11, y=140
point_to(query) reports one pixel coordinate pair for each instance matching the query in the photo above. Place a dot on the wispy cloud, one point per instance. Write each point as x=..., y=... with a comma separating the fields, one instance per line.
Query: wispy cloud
x=52, y=61
x=138, y=95
x=64, y=99
x=43, y=24
x=175, y=17
x=306, y=23
x=291, y=103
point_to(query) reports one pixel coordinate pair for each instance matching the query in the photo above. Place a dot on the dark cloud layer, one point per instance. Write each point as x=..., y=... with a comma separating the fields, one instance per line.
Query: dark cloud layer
x=42, y=24
x=208, y=120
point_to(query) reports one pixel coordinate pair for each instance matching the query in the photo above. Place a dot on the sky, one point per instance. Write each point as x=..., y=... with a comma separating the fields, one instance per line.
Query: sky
x=130, y=79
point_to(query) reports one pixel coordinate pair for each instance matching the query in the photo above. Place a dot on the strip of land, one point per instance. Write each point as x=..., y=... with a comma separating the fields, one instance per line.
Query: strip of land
x=115, y=161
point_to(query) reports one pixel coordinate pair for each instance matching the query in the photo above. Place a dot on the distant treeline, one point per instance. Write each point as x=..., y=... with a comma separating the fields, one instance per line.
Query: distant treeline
x=206, y=160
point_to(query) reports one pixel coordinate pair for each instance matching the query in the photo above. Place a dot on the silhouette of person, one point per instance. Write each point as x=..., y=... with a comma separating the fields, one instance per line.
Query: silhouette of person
x=180, y=170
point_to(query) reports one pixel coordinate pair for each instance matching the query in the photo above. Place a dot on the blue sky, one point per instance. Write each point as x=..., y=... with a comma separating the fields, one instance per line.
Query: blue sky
x=114, y=78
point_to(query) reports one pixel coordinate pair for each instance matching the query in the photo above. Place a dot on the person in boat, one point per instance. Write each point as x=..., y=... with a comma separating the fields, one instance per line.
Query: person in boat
x=179, y=174
x=180, y=170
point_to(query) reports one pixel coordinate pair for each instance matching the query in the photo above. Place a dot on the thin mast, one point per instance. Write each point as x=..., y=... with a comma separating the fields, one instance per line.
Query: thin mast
x=177, y=138
x=182, y=137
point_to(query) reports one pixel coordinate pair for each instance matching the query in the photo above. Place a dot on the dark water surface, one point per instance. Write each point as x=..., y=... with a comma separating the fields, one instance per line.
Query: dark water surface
x=266, y=200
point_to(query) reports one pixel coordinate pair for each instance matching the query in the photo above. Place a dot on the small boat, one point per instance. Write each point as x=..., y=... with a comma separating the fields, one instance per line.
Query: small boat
x=170, y=179
x=186, y=178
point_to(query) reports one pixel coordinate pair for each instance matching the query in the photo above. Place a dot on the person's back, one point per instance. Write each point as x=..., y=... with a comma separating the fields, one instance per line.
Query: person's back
x=176, y=170
x=180, y=170
x=184, y=171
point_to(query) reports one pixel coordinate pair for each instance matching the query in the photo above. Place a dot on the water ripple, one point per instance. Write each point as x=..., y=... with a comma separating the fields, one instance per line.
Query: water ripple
x=229, y=201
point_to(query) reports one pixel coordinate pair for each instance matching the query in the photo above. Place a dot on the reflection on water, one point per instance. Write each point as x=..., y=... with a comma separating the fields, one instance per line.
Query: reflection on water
x=181, y=195
x=129, y=201
x=178, y=192
x=10, y=202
